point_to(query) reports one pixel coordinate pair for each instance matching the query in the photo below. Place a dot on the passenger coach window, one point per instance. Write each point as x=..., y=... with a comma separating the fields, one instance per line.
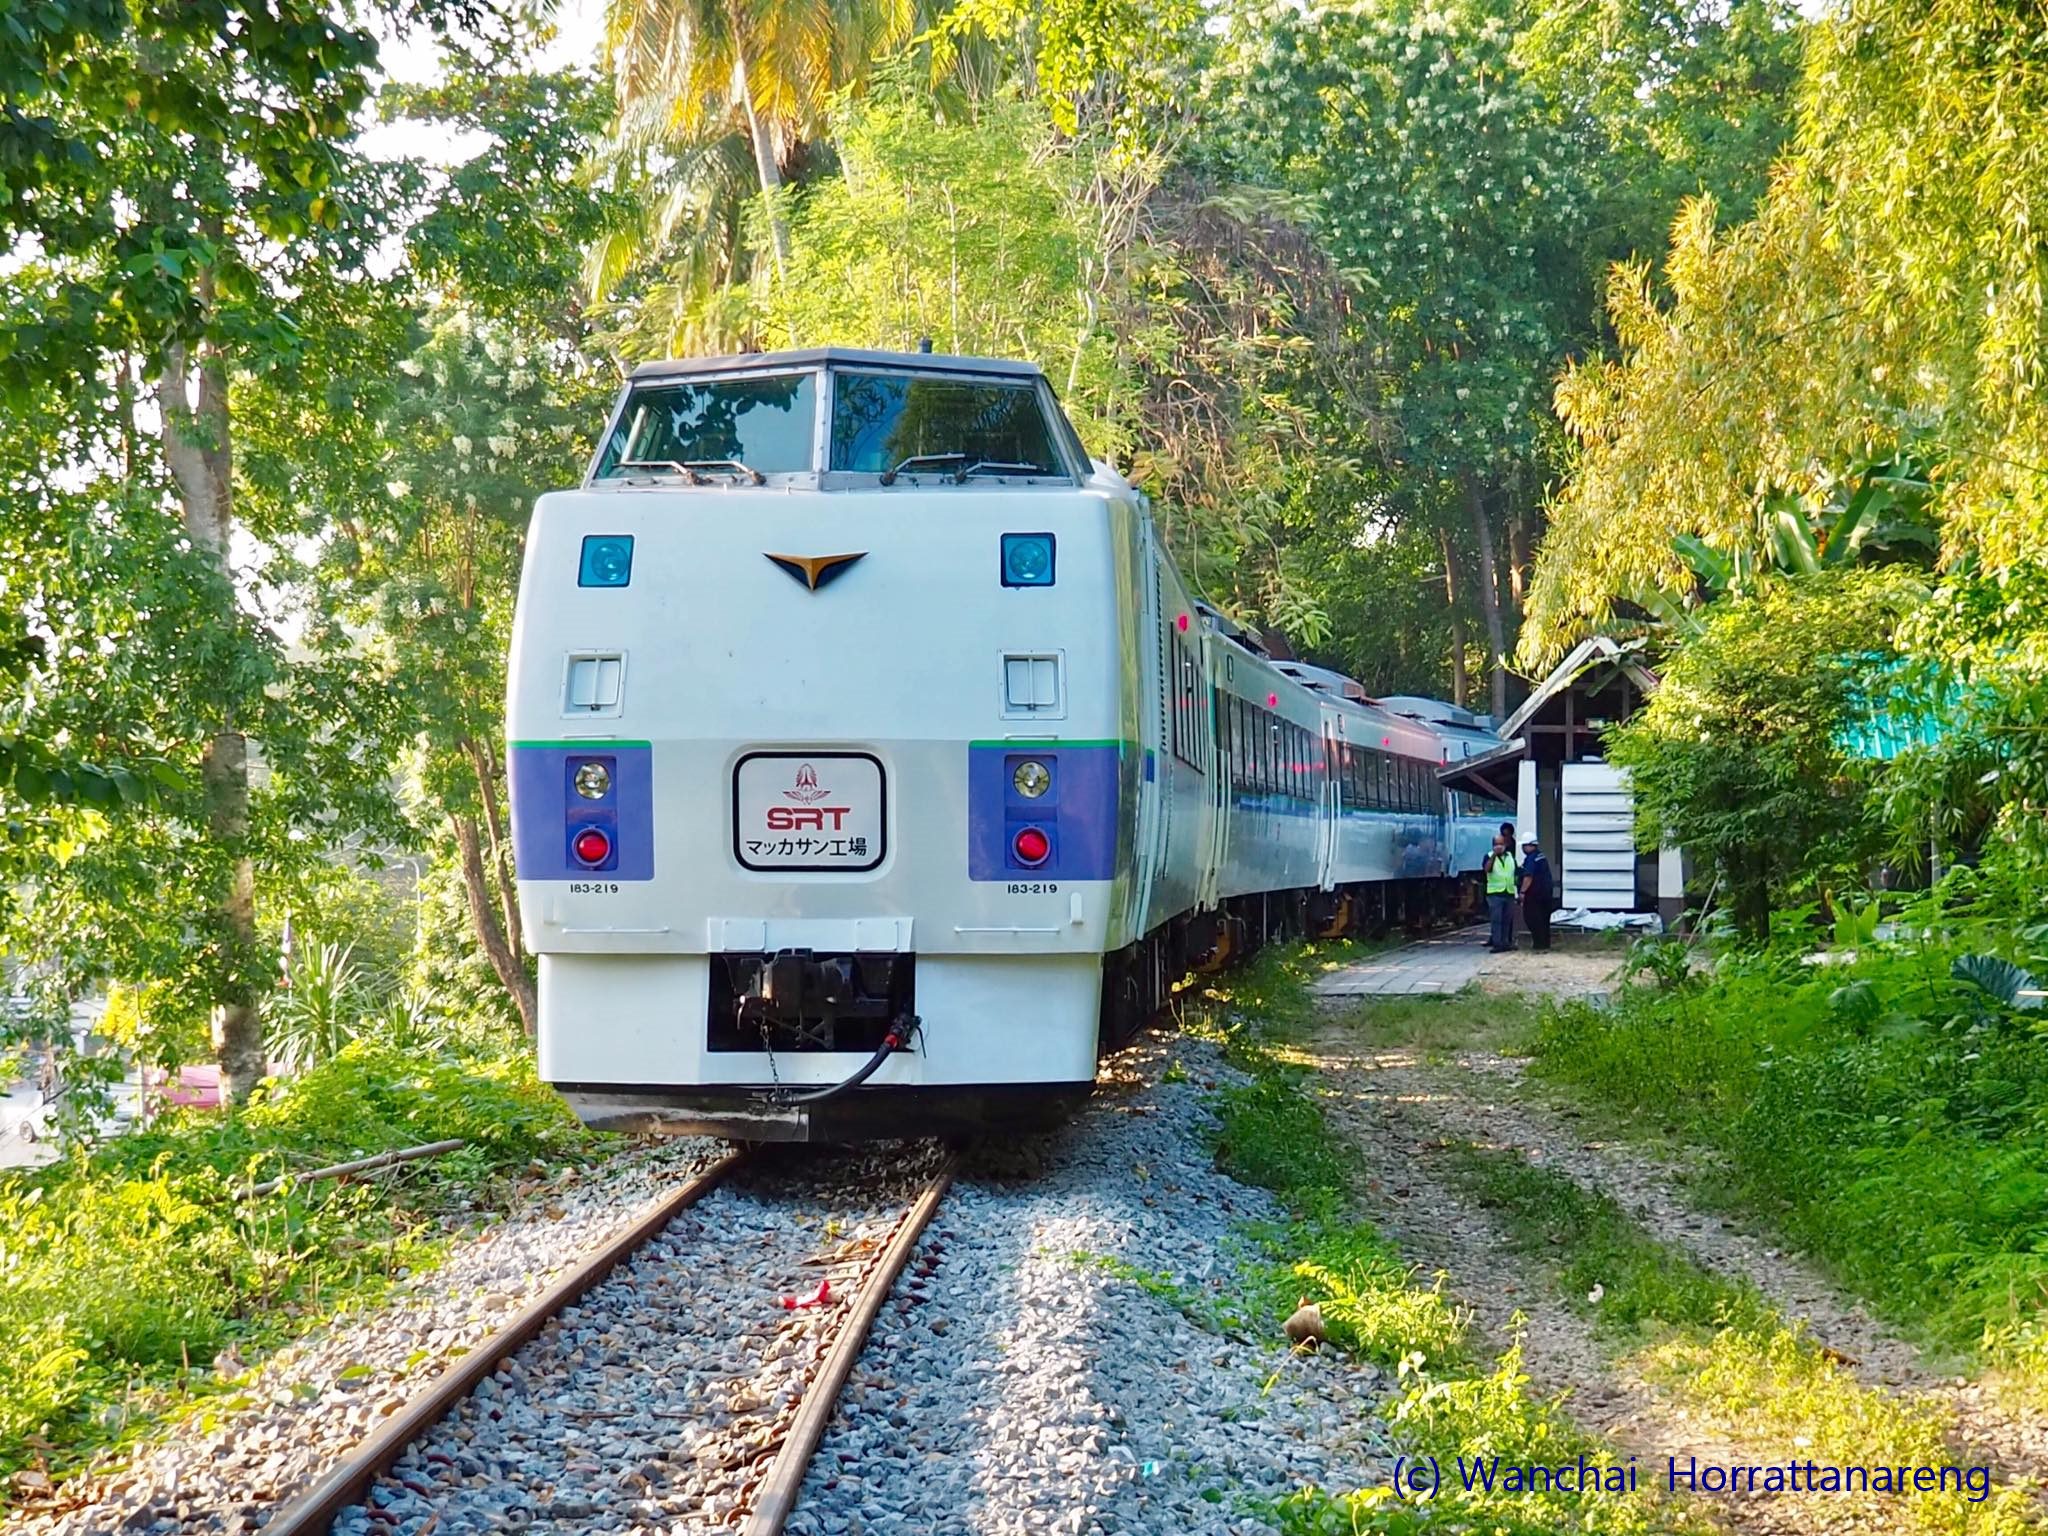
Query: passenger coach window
x=914, y=423
x=711, y=425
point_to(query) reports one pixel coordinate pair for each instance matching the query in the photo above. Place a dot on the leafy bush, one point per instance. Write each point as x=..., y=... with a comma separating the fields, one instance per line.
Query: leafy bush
x=1739, y=755
x=128, y=1268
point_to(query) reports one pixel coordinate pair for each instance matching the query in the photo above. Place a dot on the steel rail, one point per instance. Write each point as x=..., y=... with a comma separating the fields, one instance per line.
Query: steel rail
x=314, y=1511
x=776, y=1494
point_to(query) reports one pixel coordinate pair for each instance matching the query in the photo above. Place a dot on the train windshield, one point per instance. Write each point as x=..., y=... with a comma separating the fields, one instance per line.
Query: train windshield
x=716, y=427
x=892, y=424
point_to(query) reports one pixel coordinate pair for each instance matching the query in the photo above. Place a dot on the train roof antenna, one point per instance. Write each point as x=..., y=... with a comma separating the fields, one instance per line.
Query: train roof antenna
x=924, y=345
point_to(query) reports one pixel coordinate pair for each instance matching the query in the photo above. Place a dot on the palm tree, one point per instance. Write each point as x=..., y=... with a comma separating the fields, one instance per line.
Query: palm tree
x=691, y=71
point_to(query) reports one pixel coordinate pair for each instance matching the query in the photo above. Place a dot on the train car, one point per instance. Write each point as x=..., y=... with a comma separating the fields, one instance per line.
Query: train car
x=1401, y=849
x=873, y=770
x=1472, y=820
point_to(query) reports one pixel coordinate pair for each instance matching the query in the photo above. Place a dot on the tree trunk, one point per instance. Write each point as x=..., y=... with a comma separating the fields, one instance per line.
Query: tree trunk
x=196, y=451
x=1752, y=901
x=765, y=168
x=484, y=918
x=1460, y=684
x=501, y=858
x=1518, y=556
x=1489, y=597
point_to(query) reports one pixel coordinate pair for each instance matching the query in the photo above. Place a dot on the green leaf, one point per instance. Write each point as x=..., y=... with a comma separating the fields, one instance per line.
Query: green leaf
x=1713, y=568
x=2011, y=984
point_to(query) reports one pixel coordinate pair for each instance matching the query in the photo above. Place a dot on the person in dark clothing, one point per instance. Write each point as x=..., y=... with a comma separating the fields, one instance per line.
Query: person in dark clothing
x=1538, y=887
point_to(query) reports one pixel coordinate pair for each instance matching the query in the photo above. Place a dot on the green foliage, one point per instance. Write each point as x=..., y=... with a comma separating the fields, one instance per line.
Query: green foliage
x=1446, y=187
x=1272, y=1136
x=1599, y=1249
x=1122, y=68
x=1688, y=99
x=2013, y=985
x=965, y=230
x=1469, y=169
x=319, y=1009
x=1830, y=330
x=1371, y=1302
x=1737, y=756
x=1665, y=958
x=175, y=236
x=506, y=237
x=128, y=1268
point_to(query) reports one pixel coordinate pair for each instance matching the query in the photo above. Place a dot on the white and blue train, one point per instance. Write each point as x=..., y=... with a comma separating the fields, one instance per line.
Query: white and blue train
x=874, y=772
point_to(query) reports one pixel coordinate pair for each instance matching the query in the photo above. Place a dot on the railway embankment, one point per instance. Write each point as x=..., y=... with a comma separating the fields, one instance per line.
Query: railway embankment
x=1091, y=1342
x=1693, y=1336
x=1528, y=1307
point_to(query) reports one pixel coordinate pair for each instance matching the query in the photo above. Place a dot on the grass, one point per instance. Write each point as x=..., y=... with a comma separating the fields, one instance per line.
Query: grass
x=128, y=1270
x=1719, y=1347
x=1449, y=1401
x=1590, y=1241
x=1439, y=1024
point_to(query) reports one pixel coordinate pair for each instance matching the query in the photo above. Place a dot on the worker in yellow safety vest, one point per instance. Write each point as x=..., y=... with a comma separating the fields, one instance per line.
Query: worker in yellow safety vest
x=1500, y=894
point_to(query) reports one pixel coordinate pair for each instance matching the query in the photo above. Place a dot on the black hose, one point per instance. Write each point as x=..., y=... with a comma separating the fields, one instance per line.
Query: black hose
x=891, y=1043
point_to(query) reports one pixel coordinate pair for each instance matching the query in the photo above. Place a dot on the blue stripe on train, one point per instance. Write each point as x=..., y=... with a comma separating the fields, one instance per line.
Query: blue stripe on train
x=547, y=812
x=1078, y=813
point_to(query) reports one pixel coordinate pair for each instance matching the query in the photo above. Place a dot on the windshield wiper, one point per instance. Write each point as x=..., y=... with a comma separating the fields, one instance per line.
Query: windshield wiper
x=732, y=467
x=922, y=461
x=670, y=465
x=998, y=467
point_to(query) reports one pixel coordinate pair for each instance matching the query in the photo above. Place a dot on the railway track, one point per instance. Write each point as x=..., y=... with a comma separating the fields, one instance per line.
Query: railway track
x=682, y=1374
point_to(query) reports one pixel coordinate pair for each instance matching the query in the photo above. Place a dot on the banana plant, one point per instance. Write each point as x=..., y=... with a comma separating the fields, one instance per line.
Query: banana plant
x=1887, y=513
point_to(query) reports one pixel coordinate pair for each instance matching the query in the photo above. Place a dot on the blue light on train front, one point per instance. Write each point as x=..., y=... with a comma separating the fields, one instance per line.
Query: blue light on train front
x=607, y=560
x=1027, y=559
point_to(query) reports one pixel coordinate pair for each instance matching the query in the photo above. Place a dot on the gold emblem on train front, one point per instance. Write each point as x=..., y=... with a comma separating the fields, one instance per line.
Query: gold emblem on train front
x=814, y=571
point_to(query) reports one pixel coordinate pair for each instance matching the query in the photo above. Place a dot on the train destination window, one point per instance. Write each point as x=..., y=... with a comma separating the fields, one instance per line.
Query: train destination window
x=892, y=424
x=715, y=429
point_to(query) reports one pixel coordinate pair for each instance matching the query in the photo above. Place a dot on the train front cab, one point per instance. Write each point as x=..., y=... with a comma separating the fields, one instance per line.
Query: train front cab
x=712, y=968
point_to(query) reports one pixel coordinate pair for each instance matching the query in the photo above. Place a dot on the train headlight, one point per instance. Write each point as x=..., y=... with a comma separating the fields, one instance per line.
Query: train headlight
x=607, y=560
x=1027, y=559
x=593, y=781
x=1032, y=778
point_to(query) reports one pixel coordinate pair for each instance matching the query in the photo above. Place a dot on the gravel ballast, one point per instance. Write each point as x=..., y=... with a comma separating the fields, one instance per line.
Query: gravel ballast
x=1040, y=1366
x=652, y=1404
x=1018, y=1382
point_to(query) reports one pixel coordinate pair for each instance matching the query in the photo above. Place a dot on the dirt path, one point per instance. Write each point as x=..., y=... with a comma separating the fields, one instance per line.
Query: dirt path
x=1382, y=1100
x=1406, y=1109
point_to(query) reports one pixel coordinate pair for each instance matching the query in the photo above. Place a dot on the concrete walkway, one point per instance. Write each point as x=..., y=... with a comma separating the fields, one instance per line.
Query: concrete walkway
x=1437, y=965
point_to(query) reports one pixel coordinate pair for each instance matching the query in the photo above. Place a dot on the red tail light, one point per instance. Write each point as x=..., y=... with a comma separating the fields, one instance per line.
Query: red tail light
x=1031, y=846
x=591, y=845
